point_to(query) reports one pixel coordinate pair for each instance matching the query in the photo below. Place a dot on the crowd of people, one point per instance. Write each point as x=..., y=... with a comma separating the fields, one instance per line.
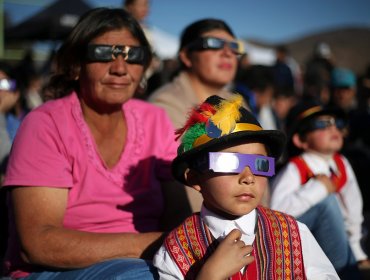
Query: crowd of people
x=265, y=160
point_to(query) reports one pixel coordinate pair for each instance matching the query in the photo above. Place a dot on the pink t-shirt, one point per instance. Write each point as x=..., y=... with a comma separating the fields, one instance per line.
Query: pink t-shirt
x=54, y=148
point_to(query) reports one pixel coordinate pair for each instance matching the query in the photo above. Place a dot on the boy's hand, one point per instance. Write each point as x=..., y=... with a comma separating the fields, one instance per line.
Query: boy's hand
x=330, y=187
x=230, y=256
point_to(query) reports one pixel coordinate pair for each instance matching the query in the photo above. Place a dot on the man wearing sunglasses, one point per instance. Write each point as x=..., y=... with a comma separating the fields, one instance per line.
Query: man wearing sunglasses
x=319, y=188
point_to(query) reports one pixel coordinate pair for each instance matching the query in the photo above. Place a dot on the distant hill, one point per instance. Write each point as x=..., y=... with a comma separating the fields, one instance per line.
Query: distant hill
x=350, y=47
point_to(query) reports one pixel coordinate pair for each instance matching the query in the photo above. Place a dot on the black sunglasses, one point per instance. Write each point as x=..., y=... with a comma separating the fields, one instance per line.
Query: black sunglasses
x=106, y=53
x=212, y=43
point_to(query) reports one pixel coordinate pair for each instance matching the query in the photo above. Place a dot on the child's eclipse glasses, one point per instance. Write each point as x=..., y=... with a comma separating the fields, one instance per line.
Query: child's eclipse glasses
x=235, y=163
x=106, y=53
x=212, y=43
x=325, y=123
x=8, y=85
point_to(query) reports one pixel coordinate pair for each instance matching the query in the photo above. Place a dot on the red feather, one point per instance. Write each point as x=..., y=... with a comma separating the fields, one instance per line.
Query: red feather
x=197, y=115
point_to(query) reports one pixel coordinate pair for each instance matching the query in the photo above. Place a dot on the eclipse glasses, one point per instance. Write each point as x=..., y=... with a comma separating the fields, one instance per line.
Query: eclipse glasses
x=212, y=43
x=325, y=123
x=235, y=163
x=7, y=84
x=107, y=53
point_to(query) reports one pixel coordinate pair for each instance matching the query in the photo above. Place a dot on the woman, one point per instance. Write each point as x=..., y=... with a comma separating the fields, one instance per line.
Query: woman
x=86, y=169
x=208, y=55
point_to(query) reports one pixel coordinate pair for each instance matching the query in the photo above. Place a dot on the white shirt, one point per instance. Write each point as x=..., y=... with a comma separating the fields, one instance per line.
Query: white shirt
x=289, y=196
x=317, y=265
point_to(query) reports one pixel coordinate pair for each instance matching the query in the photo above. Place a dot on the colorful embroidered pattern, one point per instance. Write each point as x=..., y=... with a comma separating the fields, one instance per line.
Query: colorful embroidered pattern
x=277, y=247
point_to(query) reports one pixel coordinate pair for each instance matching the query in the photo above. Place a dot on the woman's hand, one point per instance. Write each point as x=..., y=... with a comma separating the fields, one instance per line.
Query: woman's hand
x=230, y=256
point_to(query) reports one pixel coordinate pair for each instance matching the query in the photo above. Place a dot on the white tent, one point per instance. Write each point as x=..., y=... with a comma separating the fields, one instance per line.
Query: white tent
x=164, y=44
x=260, y=55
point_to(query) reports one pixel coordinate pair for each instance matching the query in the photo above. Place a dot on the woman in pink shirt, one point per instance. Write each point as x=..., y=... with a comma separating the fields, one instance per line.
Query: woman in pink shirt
x=88, y=170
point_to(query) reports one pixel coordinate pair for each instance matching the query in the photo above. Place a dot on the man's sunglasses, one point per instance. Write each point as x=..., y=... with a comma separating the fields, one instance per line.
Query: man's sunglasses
x=212, y=43
x=235, y=163
x=8, y=85
x=106, y=53
x=325, y=123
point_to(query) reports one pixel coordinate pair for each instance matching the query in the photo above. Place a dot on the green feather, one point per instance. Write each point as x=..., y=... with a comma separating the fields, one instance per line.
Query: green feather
x=190, y=136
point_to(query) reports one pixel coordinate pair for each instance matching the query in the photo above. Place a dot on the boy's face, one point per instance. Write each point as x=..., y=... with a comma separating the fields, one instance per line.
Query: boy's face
x=327, y=140
x=232, y=195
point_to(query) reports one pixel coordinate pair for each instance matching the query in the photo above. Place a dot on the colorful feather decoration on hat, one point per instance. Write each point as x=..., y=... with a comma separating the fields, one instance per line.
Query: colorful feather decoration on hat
x=227, y=114
x=197, y=115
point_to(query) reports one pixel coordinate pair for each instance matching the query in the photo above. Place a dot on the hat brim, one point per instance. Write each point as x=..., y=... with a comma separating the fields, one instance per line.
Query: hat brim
x=275, y=141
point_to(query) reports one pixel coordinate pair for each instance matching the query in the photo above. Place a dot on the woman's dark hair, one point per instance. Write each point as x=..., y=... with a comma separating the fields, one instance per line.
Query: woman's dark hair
x=198, y=28
x=72, y=53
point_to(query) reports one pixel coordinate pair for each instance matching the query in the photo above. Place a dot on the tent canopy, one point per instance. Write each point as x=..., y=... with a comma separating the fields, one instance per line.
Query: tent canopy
x=52, y=23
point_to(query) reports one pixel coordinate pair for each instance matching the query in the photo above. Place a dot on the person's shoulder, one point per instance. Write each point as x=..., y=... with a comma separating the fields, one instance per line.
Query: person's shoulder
x=170, y=91
x=163, y=93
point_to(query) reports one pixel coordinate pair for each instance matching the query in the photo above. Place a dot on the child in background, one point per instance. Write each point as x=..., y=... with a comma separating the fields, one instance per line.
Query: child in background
x=227, y=156
x=318, y=185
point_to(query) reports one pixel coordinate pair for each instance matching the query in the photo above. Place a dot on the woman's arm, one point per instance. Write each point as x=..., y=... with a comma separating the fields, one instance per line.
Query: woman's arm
x=39, y=213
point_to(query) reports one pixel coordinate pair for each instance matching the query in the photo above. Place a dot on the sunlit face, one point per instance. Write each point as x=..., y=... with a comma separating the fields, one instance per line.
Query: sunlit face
x=214, y=67
x=325, y=141
x=107, y=84
x=234, y=195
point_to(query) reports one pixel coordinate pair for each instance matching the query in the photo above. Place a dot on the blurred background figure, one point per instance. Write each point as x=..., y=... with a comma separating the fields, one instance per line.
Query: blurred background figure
x=9, y=104
x=283, y=75
x=343, y=82
x=317, y=76
x=140, y=10
x=13, y=109
x=257, y=85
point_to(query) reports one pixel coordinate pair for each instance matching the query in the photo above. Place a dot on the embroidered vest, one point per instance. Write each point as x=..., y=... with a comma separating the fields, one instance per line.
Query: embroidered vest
x=277, y=247
x=305, y=172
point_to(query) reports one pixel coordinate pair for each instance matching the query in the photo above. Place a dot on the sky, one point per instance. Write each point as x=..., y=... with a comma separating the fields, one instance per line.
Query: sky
x=272, y=21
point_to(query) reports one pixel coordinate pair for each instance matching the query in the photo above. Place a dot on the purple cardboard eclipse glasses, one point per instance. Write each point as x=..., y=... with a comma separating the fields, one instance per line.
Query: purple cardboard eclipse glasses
x=8, y=85
x=235, y=163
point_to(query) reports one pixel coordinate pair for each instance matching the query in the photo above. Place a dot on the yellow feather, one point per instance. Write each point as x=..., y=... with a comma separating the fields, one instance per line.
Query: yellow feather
x=227, y=114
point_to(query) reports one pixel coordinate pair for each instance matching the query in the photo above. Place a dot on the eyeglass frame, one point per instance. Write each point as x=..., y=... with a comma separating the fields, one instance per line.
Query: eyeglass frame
x=115, y=51
x=209, y=162
x=321, y=124
x=204, y=43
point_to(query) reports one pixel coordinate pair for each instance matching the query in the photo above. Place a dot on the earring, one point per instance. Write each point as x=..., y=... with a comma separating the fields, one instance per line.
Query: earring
x=143, y=84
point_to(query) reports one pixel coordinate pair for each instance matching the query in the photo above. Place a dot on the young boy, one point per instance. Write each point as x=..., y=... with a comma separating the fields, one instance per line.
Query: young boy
x=227, y=156
x=318, y=185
